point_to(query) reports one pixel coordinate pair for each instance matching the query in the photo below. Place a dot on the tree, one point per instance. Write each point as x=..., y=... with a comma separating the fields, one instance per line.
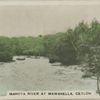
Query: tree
x=93, y=64
x=66, y=52
x=6, y=50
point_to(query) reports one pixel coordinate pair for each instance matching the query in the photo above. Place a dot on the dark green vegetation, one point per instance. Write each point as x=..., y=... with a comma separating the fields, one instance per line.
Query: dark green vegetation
x=68, y=47
x=6, y=49
x=75, y=46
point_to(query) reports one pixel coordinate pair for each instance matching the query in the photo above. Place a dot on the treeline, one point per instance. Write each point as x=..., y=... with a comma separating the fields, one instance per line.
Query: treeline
x=10, y=47
x=68, y=47
x=73, y=46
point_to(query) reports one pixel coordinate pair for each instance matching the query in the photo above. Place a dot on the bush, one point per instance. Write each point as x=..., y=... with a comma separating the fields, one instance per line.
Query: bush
x=5, y=56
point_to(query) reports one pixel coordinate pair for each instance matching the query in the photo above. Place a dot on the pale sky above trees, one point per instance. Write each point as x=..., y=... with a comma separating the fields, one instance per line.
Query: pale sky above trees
x=44, y=19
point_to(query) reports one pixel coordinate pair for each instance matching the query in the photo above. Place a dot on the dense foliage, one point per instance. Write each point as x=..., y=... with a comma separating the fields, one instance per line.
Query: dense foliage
x=66, y=47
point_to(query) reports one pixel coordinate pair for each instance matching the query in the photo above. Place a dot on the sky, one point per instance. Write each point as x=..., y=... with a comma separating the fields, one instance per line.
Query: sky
x=33, y=20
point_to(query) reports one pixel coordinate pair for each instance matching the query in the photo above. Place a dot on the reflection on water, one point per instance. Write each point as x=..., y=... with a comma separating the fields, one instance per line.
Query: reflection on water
x=38, y=74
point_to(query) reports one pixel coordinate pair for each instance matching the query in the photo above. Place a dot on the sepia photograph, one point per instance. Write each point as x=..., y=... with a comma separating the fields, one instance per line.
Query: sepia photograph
x=49, y=49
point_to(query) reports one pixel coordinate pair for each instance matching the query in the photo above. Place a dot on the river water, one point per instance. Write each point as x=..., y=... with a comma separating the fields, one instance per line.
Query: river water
x=38, y=74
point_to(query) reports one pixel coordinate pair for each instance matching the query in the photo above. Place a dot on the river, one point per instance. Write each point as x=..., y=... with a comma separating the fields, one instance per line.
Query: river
x=38, y=74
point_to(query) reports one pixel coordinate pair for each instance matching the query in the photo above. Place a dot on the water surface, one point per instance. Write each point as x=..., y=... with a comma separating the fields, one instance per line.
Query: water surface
x=38, y=74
